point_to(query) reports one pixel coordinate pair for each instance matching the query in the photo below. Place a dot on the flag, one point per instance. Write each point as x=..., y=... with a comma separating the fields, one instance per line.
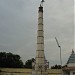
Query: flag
x=42, y=1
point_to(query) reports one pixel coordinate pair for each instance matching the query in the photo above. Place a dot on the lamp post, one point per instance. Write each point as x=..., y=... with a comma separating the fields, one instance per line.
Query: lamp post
x=60, y=54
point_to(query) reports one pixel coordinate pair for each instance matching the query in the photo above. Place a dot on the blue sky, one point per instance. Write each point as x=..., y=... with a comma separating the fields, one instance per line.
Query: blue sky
x=18, y=28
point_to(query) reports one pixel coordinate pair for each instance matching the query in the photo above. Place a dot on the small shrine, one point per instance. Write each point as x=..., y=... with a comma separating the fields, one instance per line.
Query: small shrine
x=70, y=66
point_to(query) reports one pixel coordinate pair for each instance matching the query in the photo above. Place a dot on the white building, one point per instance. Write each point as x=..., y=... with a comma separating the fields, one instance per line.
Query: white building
x=70, y=69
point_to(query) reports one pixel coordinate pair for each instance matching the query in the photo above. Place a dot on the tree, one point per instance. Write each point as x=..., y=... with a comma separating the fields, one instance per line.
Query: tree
x=9, y=60
x=28, y=63
x=56, y=67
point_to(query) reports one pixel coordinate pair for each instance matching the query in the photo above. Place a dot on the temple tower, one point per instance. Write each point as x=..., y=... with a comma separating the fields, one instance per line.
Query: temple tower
x=40, y=67
x=40, y=58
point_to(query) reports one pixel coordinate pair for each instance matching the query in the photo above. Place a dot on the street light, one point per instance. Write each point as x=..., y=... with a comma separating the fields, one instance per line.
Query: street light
x=60, y=53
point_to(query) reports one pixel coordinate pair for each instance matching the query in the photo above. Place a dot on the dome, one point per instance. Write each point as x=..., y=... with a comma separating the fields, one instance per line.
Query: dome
x=71, y=58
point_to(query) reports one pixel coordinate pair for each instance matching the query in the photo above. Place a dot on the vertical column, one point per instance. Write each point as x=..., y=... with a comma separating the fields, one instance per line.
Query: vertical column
x=40, y=42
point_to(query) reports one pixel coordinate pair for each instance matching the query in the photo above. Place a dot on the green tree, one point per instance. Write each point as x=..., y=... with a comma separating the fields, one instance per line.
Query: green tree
x=28, y=63
x=56, y=67
x=9, y=60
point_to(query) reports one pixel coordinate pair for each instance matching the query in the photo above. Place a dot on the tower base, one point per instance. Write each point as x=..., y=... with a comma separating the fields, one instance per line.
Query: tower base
x=39, y=73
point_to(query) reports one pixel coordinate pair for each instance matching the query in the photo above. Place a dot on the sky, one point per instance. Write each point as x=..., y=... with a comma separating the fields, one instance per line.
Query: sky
x=18, y=28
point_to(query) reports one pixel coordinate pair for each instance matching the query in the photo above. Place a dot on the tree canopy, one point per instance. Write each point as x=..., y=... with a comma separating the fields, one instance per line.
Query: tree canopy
x=28, y=63
x=9, y=60
x=56, y=67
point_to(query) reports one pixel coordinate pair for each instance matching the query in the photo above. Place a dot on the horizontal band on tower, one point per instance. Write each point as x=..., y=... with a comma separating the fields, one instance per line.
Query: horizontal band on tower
x=40, y=36
x=39, y=57
x=39, y=50
x=40, y=30
x=40, y=18
x=40, y=43
x=40, y=24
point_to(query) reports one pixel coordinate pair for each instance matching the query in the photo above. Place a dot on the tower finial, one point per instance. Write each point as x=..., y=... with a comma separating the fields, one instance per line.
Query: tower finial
x=41, y=4
x=42, y=1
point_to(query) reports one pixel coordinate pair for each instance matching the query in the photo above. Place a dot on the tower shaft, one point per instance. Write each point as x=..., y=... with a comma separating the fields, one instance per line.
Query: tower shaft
x=40, y=58
x=40, y=64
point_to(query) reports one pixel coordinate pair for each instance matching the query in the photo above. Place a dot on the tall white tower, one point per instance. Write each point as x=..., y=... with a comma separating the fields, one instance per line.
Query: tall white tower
x=40, y=58
x=40, y=62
